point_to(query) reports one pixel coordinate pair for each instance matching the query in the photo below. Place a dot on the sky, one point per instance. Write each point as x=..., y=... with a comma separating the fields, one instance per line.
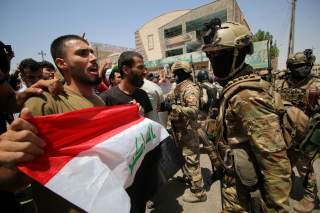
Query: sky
x=31, y=25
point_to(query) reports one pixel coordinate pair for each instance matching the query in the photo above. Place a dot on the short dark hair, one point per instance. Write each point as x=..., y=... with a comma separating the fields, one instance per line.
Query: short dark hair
x=126, y=59
x=46, y=64
x=29, y=63
x=57, y=46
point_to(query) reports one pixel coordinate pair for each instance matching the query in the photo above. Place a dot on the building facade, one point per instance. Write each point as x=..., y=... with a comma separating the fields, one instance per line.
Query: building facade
x=104, y=51
x=316, y=70
x=175, y=33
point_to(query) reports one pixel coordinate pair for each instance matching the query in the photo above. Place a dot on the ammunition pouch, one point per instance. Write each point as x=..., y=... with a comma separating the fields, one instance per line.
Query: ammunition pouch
x=245, y=169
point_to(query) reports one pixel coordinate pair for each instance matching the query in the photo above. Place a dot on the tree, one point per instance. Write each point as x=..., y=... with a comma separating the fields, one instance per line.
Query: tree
x=262, y=35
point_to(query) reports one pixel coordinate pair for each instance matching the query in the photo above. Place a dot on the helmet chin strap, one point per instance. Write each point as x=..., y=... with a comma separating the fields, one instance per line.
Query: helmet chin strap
x=233, y=69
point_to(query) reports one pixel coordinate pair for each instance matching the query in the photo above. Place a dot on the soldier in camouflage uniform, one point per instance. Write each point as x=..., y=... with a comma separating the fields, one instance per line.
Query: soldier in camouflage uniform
x=302, y=89
x=209, y=103
x=251, y=144
x=184, y=114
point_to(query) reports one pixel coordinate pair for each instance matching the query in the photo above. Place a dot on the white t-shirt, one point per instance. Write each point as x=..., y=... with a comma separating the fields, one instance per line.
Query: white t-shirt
x=155, y=95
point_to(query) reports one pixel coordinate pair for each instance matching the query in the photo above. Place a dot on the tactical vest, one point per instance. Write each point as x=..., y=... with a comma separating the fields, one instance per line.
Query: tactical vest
x=296, y=96
x=179, y=94
x=292, y=121
x=303, y=98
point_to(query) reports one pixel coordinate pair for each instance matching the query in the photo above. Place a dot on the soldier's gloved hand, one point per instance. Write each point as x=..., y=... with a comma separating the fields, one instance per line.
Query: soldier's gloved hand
x=175, y=108
x=175, y=111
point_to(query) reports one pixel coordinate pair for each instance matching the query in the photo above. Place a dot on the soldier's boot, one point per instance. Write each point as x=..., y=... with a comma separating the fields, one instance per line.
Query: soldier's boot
x=304, y=206
x=194, y=196
x=185, y=179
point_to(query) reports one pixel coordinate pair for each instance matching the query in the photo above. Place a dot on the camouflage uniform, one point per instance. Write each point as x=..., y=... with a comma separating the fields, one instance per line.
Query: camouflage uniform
x=249, y=135
x=184, y=114
x=303, y=94
x=251, y=122
x=184, y=119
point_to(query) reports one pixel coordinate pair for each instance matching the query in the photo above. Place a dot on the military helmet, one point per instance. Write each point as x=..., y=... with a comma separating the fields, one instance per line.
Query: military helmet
x=202, y=75
x=305, y=57
x=228, y=35
x=181, y=65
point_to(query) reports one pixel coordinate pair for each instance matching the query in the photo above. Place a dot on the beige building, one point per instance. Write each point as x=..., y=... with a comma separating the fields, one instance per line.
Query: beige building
x=104, y=51
x=316, y=69
x=174, y=33
x=147, y=38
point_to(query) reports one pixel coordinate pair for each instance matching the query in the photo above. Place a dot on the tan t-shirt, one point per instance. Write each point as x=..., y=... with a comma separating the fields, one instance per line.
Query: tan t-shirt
x=69, y=101
x=46, y=104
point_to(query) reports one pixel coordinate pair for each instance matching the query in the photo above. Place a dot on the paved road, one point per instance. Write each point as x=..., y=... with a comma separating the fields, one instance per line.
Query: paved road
x=169, y=199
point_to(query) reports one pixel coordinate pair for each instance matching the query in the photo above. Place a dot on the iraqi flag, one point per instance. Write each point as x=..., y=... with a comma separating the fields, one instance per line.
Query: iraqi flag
x=93, y=154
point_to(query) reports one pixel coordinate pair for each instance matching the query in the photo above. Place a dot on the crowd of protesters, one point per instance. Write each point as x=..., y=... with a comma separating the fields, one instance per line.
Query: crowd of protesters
x=76, y=81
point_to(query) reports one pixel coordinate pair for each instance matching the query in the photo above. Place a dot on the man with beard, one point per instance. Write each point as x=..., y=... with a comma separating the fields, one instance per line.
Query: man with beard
x=184, y=121
x=131, y=67
x=76, y=61
x=249, y=137
x=302, y=89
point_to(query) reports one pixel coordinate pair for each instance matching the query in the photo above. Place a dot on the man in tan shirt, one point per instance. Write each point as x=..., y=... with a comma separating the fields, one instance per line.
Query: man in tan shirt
x=75, y=60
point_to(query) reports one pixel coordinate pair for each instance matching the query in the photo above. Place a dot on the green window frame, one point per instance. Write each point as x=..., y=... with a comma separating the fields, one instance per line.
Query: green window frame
x=174, y=52
x=173, y=31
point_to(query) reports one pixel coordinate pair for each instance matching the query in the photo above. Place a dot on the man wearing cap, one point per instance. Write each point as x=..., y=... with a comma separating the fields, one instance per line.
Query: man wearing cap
x=184, y=115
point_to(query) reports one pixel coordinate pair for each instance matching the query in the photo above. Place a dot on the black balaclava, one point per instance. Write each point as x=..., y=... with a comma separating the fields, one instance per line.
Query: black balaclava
x=222, y=63
x=181, y=75
x=299, y=71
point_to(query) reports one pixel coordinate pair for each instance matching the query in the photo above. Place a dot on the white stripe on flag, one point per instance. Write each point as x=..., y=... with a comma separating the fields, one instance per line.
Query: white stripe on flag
x=88, y=182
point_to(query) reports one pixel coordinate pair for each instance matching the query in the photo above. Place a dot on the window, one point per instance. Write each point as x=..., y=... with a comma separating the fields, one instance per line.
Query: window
x=150, y=42
x=197, y=24
x=173, y=31
x=174, y=52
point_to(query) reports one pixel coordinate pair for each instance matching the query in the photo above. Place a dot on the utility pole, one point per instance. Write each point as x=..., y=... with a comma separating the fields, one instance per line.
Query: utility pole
x=292, y=26
x=234, y=10
x=42, y=54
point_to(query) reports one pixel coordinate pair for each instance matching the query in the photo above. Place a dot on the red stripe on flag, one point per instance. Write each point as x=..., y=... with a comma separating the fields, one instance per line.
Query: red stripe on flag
x=70, y=133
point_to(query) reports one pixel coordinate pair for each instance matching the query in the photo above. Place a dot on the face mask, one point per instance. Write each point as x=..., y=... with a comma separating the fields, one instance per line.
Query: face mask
x=221, y=63
x=177, y=79
x=300, y=71
x=181, y=76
